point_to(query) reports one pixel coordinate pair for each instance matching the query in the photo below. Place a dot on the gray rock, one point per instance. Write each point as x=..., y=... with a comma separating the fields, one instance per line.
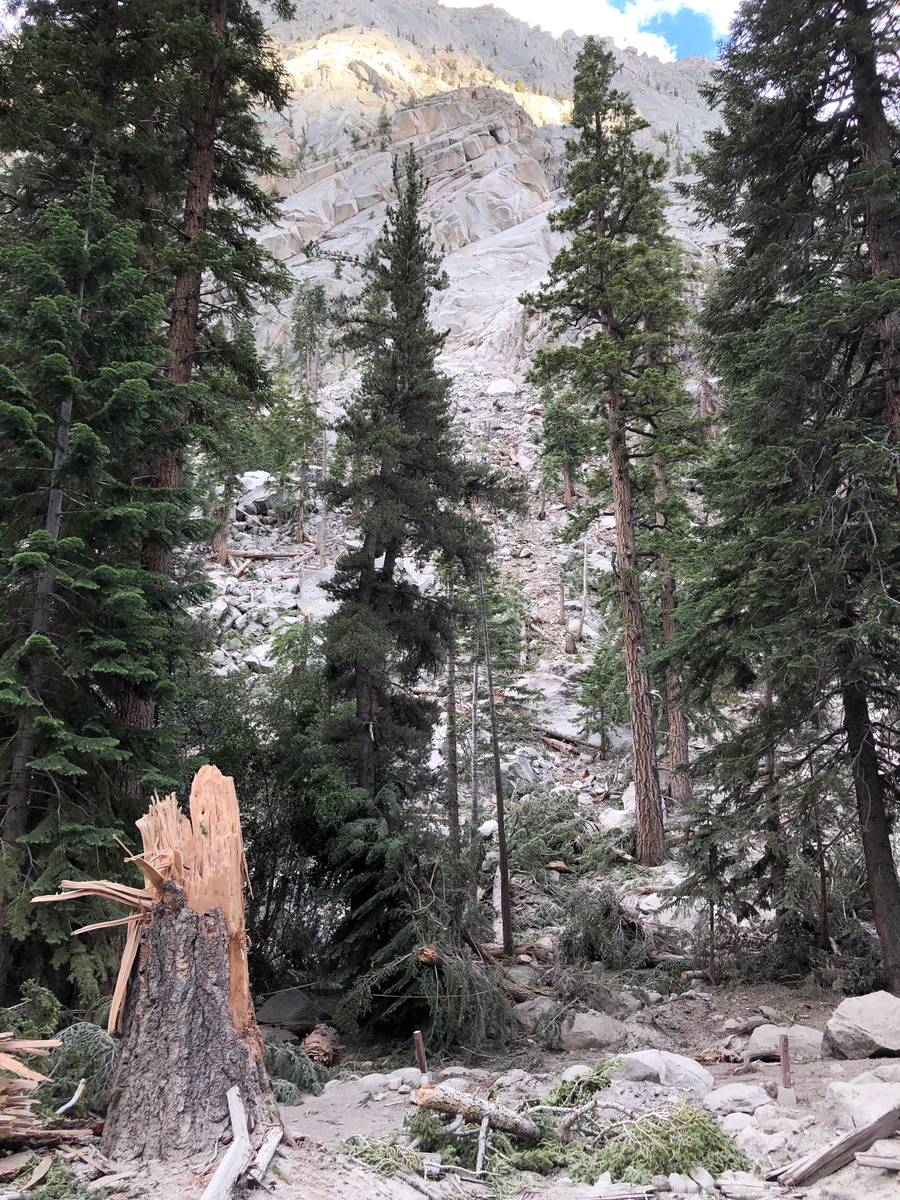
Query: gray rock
x=666, y=1068
x=867, y=1096
x=523, y=973
x=534, y=1012
x=734, y=1122
x=701, y=1176
x=410, y=1076
x=682, y=1185
x=373, y=1084
x=864, y=1026
x=735, y=1097
x=804, y=1042
x=298, y=1009
x=592, y=1031
x=576, y=1071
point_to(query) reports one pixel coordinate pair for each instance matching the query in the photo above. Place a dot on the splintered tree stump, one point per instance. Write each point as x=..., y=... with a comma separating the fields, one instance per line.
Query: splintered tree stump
x=188, y=1024
x=181, y=1052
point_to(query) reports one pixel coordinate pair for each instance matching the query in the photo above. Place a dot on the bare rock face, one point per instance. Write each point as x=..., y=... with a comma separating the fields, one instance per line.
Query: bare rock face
x=483, y=100
x=865, y=1026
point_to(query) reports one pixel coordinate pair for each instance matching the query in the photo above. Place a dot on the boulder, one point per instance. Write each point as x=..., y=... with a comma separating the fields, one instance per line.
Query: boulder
x=298, y=1009
x=592, y=1031
x=532, y=1013
x=864, y=1026
x=576, y=1071
x=867, y=1096
x=735, y=1097
x=666, y=1068
x=804, y=1042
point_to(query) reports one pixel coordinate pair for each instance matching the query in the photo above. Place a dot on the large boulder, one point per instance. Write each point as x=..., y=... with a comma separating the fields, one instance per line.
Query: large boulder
x=534, y=1012
x=592, y=1031
x=298, y=1009
x=735, y=1097
x=865, y=1026
x=666, y=1068
x=868, y=1096
x=804, y=1043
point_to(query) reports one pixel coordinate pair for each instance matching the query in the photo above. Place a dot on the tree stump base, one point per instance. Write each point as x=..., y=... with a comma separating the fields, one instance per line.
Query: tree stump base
x=181, y=1051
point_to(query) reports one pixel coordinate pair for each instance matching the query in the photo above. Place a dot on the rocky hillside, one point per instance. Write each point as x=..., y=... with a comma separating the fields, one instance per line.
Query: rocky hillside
x=482, y=98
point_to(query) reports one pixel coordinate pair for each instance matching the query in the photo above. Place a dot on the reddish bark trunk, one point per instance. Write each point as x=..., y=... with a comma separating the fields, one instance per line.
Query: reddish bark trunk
x=875, y=828
x=168, y=471
x=648, y=807
x=679, y=753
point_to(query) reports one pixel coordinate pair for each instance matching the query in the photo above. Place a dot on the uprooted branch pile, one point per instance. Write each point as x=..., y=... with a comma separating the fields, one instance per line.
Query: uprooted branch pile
x=189, y=1028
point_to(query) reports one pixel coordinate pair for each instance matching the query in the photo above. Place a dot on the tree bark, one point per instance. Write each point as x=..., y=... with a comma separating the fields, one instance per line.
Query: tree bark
x=474, y=814
x=181, y=1051
x=452, y=745
x=505, y=896
x=651, y=848
x=882, y=232
x=875, y=828
x=679, y=755
x=568, y=495
x=167, y=472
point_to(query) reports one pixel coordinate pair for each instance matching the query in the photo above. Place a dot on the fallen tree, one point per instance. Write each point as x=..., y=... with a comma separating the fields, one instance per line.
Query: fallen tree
x=189, y=1033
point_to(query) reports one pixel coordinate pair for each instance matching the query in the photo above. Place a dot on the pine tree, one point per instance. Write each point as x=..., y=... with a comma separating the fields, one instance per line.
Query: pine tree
x=410, y=488
x=159, y=99
x=796, y=582
x=616, y=289
x=81, y=349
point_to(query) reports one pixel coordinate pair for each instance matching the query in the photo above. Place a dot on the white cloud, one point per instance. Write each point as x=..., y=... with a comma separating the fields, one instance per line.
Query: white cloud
x=624, y=26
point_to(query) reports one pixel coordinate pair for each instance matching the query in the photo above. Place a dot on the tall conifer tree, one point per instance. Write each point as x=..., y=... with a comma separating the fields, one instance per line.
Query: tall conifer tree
x=614, y=291
x=797, y=582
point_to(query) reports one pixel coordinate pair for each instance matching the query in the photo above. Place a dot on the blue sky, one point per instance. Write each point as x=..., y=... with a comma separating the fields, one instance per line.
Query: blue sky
x=667, y=28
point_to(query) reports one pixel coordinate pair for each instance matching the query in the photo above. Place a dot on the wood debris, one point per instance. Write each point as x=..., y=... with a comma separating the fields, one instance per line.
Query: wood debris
x=322, y=1045
x=447, y=1100
x=838, y=1154
x=17, y=1121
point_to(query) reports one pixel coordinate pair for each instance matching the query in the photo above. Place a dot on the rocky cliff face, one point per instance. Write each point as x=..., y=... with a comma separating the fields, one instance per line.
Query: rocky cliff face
x=483, y=99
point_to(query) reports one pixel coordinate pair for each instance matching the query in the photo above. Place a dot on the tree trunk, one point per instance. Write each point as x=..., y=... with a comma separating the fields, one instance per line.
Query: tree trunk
x=568, y=496
x=181, y=1051
x=452, y=748
x=323, y=514
x=168, y=472
x=882, y=233
x=474, y=814
x=679, y=755
x=505, y=897
x=875, y=828
x=651, y=848
x=774, y=832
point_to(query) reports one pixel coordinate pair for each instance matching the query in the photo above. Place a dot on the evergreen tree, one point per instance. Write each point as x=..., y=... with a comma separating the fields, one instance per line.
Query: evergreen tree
x=81, y=350
x=161, y=100
x=796, y=582
x=410, y=490
x=616, y=288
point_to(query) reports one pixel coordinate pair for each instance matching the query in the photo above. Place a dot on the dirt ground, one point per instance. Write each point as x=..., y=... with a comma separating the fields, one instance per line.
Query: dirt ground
x=315, y=1169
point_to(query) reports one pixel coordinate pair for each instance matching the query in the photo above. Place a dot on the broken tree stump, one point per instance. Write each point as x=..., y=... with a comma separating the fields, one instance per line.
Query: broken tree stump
x=190, y=1033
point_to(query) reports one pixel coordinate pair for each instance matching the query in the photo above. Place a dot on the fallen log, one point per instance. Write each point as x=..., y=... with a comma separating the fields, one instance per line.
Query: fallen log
x=439, y=1098
x=266, y=554
x=825, y=1162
